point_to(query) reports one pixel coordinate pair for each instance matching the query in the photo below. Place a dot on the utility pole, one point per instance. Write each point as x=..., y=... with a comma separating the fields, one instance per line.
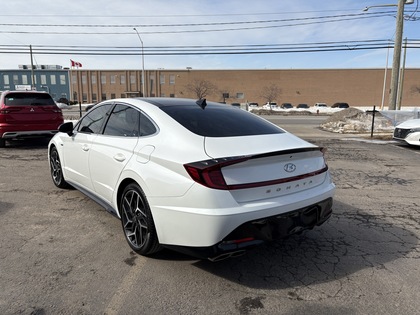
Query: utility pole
x=401, y=81
x=397, y=56
x=142, y=62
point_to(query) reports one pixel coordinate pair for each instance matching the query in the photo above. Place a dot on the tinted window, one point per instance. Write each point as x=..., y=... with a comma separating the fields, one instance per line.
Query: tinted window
x=92, y=122
x=220, y=121
x=31, y=99
x=146, y=126
x=123, y=122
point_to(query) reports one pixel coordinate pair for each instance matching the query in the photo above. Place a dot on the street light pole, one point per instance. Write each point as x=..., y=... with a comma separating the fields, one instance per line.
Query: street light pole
x=142, y=62
x=396, y=61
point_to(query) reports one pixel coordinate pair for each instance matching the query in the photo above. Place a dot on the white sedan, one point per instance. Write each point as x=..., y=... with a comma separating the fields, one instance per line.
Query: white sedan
x=203, y=178
x=408, y=132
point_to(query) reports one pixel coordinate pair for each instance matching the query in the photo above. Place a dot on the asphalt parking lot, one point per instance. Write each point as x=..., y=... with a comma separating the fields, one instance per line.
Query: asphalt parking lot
x=61, y=253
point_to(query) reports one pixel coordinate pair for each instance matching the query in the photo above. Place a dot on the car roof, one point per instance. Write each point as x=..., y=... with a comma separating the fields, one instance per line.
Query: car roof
x=25, y=91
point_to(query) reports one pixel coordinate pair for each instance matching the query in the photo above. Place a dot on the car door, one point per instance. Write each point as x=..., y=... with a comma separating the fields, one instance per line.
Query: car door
x=77, y=148
x=112, y=150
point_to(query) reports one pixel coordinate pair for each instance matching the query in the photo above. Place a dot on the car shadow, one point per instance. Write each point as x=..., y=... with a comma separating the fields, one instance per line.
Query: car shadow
x=350, y=241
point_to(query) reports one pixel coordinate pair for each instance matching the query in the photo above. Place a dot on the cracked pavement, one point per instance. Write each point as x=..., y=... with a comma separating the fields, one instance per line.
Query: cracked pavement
x=61, y=253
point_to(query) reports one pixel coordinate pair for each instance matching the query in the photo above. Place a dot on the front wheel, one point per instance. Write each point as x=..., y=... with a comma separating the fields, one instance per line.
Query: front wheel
x=137, y=222
x=56, y=170
x=2, y=143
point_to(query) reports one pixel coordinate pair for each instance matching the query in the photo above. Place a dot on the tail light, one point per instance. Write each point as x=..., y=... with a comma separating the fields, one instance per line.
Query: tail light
x=9, y=110
x=209, y=172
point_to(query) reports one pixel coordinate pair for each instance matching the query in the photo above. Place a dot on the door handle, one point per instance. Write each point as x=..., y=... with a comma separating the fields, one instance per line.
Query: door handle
x=119, y=157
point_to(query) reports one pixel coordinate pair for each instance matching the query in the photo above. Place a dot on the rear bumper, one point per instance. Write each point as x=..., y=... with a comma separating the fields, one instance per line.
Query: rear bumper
x=256, y=232
x=28, y=134
x=204, y=217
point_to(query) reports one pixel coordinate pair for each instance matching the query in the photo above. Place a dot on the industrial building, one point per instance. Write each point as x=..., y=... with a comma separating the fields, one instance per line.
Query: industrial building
x=357, y=87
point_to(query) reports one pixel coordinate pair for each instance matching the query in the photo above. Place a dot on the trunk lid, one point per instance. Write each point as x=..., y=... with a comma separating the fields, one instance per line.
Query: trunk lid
x=275, y=165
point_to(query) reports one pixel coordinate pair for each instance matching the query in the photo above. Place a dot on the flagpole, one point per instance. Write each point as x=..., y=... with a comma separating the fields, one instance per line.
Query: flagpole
x=71, y=83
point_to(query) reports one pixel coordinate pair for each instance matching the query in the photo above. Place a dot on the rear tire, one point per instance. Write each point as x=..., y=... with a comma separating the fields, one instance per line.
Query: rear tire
x=56, y=170
x=2, y=143
x=137, y=221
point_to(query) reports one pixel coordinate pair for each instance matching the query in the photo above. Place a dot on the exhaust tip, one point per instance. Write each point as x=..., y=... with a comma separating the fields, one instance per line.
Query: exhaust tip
x=227, y=255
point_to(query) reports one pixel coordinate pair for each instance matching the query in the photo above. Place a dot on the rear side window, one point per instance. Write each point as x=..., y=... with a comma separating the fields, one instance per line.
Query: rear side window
x=220, y=121
x=28, y=99
x=123, y=122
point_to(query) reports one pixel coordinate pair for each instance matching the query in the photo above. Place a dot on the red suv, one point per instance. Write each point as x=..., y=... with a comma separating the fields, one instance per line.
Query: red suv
x=26, y=114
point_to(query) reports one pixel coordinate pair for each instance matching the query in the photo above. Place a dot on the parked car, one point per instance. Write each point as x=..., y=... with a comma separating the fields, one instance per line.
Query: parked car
x=89, y=107
x=236, y=104
x=270, y=105
x=408, y=132
x=302, y=106
x=286, y=105
x=63, y=100
x=340, y=105
x=320, y=105
x=28, y=114
x=199, y=177
x=253, y=105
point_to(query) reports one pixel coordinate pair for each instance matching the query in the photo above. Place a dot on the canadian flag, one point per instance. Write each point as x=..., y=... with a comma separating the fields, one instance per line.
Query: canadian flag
x=75, y=64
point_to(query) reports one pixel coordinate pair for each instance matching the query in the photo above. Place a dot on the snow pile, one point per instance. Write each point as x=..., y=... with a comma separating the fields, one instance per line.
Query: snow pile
x=353, y=120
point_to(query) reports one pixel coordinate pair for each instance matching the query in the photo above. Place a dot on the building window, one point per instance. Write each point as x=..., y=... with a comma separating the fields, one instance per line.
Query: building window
x=6, y=79
x=24, y=79
x=43, y=79
x=132, y=79
x=113, y=79
x=103, y=96
x=122, y=95
x=84, y=97
x=93, y=78
x=112, y=95
x=94, y=99
x=62, y=79
x=162, y=79
x=240, y=95
x=103, y=79
x=53, y=79
x=162, y=95
x=122, y=79
x=15, y=79
x=171, y=95
x=84, y=79
x=172, y=79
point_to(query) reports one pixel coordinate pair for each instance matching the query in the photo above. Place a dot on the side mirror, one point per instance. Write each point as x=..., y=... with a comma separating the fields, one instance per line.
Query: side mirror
x=66, y=128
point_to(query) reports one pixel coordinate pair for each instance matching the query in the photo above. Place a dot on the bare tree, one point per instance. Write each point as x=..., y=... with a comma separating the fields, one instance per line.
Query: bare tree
x=415, y=89
x=201, y=88
x=270, y=92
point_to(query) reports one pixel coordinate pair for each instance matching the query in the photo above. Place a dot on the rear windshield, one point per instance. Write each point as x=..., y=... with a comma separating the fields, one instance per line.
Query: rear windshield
x=220, y=121
x=31, y=99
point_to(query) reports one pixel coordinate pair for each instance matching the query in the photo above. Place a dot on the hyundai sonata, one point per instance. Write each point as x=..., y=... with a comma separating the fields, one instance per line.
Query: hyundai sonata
x=203, y=178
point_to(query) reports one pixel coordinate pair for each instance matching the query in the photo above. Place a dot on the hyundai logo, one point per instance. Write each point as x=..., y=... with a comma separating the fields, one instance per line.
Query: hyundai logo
x=290, y=167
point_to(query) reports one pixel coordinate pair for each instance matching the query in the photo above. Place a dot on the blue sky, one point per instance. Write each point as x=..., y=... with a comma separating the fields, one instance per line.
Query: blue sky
x=69, y=28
